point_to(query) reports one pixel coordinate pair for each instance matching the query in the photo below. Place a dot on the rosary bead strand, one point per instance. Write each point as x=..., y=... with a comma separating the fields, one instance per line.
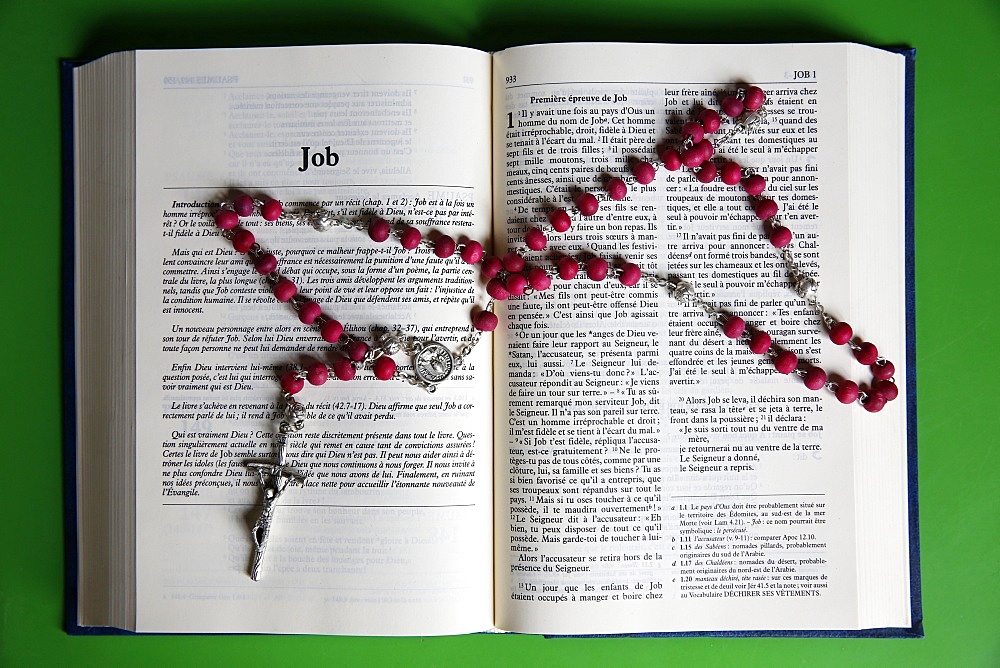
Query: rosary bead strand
x=511, y=276
x=695, y=153
x=351, y=353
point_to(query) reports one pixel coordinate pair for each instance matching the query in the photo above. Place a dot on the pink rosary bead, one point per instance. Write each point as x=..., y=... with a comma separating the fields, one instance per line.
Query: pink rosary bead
x=732, y=106
x=342, y=368
x=243, y=205
x=538, y=279
x=379, y=229
x=760, y=342
x=692, y=156
x=331, y=331
x=495, y=288
x=785, y=362
x=734, y=327
x=513, y=262
x=671, y=159
x=643, y=172
x=883, y=370
x=754, y=184
x=707, y=172
x=516, y=284
x=597, y=269
x=847, y=392
x=780, y=236
x=867, y=354
x=309, y=311
x=271, y=210
x=887, y=389
x=410, y=237
x=265, y=264
x=444, y=246
x=841, y=333
x=485, y=321
x=587, y=204
x=815, y=378
x=226, y=219
x=753, y=99
x=765, y=208
x=694, y=131
x=731, y=173
x=317, y=373
x=874, y=403
x=568, y=268
x=472, y=252
x=617, y=190
x=706, y=148
x=384, y=368
x=630, y=274
x=560, y=220
x=491, y=266
x=356, y=350
x=243, y=240
x=535, y=239
x=291, y=383
x=284, y=290
x=710, y=120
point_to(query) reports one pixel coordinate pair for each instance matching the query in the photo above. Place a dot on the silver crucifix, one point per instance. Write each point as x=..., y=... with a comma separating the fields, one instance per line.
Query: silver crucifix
x=274, y=479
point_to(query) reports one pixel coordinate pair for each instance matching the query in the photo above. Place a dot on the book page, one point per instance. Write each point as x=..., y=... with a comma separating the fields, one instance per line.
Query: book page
x=653, y=475
x=391, y=533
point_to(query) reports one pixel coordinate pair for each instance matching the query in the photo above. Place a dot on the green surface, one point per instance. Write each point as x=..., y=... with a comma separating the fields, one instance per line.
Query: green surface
x=957, y=153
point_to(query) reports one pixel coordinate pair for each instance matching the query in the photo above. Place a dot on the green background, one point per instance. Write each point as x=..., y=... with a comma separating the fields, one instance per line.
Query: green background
x=957, y=153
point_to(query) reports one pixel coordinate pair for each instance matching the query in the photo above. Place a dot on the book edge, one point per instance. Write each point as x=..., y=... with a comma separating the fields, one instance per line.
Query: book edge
x=916, y=600
x=67, y=307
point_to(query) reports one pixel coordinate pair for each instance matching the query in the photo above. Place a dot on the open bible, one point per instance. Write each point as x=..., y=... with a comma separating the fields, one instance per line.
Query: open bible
x=604, y=461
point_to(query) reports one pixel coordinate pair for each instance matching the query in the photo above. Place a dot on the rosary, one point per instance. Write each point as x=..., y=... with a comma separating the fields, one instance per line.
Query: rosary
x=512, y=276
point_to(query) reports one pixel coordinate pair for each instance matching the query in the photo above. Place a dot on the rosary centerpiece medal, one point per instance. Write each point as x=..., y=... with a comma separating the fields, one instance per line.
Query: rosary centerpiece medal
x=432, y=362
